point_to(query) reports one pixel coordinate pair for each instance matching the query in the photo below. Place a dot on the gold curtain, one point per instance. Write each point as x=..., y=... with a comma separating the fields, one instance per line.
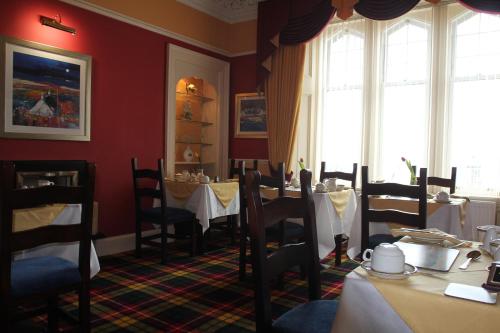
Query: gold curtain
x=283, y=89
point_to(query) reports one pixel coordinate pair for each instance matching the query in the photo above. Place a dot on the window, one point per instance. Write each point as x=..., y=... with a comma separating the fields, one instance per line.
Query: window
x=422, y=86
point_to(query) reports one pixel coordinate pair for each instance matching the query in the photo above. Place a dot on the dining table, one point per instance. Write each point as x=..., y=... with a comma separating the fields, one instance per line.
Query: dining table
x=334, y=210
x=450, y=217
x=206, y=201
x=55, y=214
x=417, y=303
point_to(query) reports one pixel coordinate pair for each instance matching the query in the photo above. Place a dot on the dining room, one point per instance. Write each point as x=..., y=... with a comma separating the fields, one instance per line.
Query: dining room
x=273, y=165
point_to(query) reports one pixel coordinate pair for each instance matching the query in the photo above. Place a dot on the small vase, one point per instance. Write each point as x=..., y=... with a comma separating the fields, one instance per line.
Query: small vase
x=413, y=180
x=188, y=154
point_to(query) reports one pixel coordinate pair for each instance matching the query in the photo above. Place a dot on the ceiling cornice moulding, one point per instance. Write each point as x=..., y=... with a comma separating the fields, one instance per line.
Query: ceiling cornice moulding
x=229, y=11
x=151, y=27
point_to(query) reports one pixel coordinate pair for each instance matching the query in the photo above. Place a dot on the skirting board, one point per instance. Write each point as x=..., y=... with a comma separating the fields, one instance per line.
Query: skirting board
x=118, y=244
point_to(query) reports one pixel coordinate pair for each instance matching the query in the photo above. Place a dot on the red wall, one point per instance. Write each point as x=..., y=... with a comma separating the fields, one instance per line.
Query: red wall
x=243, y=78
x=128, y=84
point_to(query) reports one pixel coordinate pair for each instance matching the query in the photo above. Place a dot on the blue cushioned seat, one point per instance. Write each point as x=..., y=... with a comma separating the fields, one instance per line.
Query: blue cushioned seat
x=174, y=215
x=375, y=240
x=42, y=274
x=316, y=316
x=292, y=230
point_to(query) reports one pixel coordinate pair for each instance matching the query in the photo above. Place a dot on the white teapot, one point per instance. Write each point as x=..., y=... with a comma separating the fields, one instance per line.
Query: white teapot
x=295, y=182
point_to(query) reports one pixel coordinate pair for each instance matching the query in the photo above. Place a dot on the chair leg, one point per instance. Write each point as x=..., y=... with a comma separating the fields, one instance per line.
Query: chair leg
x=138, y=239
x=338, y=249
x=163, y=243
x=52, y=315
x=243, y=251
x=194, y=238
x=84, y=308
x=231, y=221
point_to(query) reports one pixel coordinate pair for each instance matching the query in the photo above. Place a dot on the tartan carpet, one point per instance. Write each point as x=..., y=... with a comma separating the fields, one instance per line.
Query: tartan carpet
x=189, y=294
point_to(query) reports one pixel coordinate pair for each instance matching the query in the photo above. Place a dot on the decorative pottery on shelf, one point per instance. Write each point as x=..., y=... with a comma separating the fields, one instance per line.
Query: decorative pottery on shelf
x=188, y=154
x=187, y=112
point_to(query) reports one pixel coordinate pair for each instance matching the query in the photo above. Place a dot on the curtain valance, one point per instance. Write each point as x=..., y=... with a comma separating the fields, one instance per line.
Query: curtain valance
x=293, y=22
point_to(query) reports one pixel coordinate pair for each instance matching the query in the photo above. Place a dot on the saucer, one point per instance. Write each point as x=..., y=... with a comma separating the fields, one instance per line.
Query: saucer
x=408, y=270
x=318, y=191
x=442, y=201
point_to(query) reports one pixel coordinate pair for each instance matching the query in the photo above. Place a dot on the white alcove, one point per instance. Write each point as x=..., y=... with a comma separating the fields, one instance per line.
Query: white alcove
x=209, y=103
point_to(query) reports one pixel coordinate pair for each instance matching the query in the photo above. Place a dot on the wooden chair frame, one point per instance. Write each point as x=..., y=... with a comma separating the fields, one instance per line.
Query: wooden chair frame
x=369, y=215
x=12, y=198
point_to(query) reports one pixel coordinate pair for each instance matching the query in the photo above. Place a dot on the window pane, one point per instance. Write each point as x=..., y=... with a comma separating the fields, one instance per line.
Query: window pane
x=404, y=110
x=474, y=103
x=341, y=139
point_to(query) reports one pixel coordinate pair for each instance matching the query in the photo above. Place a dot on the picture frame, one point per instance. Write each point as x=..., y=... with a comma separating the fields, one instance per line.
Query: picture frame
x=250, y=116
x=45, y=92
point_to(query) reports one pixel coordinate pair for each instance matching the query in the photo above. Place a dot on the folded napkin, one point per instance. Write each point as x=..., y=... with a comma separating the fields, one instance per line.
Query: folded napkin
x=181, y=190
x=31, y=218
x=430, y=234
x=340, y=200
x=225, y=192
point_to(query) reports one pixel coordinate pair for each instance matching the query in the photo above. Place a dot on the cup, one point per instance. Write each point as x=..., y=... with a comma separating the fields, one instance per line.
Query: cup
x=386, y=258
x=442, y=196
x=492, y=233
x=320, y=187
x=495, y=249
x=295, y=182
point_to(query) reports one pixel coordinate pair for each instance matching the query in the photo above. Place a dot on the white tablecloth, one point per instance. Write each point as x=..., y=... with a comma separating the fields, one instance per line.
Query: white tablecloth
x=328, y=222
x=204, y=204
x=445, y=218
x=69, y=215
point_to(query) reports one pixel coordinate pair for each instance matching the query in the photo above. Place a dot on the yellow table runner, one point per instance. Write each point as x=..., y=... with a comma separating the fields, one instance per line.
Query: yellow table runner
x=340, y=199
x=225, y=192
x=411, y=205
x=31, y=218
x=421, y=303
x=181, y=190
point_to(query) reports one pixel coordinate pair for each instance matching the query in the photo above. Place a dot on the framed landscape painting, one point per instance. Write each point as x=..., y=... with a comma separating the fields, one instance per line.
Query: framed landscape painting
x=250, y=116
x=45, y=92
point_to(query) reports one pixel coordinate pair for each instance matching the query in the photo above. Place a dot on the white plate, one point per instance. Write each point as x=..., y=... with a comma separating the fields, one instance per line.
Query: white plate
x=408, y=270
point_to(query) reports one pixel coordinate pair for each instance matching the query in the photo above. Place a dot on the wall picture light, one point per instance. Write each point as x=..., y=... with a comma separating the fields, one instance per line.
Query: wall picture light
x=56, y=23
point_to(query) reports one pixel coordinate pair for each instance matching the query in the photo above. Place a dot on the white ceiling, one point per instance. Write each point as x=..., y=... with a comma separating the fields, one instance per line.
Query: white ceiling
x=230, y=11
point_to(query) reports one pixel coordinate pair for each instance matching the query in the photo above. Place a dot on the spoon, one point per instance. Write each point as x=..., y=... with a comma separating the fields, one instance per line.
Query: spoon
x=472, y=255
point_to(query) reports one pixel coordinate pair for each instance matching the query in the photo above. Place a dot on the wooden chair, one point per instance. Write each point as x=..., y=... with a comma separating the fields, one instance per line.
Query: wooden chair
x=149, y=184
x=234, y=168
x=315, y=316
x=339, y=174
x=442, y=182
x=369, y=215
x=339, y=240
x=283, y=232
x=44, y=278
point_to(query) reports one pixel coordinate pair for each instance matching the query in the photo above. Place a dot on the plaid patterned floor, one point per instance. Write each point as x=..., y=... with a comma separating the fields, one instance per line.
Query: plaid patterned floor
x=200, y=294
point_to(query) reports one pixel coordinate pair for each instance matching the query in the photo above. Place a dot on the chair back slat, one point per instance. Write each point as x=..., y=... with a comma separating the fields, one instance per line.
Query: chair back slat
x=31, y=238
x=282, y=208
x=267, y=266
x=372, y=215
x=442, y=182
x=26, y=198
x=148, y=192
x=147, y=173
x=339, y=174
x=154, y=188
x=276, y=180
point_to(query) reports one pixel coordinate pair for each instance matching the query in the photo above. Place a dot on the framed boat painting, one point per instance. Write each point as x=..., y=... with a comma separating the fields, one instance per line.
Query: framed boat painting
x=44, y=93
x=250, y=116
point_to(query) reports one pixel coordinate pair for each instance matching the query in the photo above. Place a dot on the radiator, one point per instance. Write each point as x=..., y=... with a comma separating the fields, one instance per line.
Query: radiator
x=480, y=213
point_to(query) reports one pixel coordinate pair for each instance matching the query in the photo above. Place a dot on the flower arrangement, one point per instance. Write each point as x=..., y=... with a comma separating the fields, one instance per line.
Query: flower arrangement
x=413, y=177
x=301, y=164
